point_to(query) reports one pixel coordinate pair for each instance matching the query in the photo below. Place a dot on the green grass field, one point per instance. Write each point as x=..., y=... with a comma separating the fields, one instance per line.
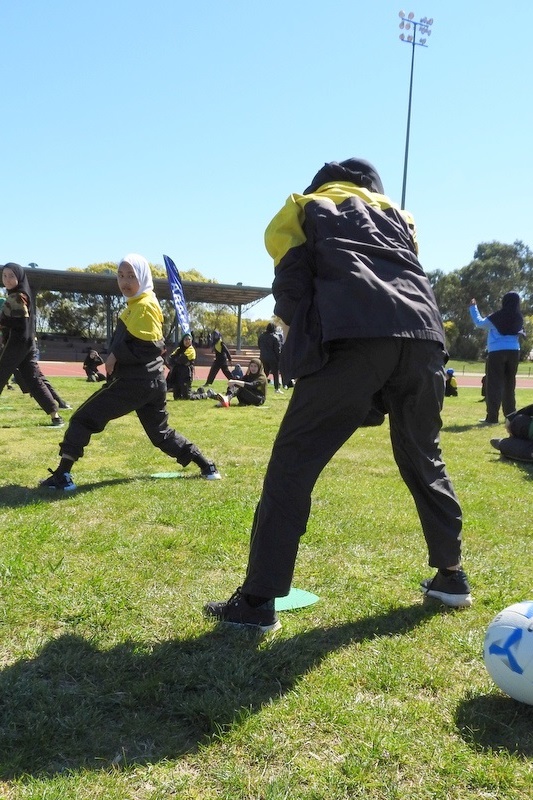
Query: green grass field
x=113, y=685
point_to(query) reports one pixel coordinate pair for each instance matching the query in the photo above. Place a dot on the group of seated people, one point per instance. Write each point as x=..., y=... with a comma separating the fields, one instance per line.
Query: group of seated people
x=249, y=388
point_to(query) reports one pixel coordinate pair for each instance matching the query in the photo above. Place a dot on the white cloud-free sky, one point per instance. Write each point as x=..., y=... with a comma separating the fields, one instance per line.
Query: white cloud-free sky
x=180, y=127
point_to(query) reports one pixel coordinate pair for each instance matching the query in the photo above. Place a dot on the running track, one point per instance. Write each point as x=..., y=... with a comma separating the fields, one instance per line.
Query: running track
x=74, y=369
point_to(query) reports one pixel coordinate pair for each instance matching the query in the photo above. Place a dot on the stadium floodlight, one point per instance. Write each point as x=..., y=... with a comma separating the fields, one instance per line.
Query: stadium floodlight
x=421, y=27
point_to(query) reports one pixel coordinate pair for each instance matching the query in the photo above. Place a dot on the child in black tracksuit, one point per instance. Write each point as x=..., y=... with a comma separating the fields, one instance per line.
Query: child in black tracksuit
x=222, y=359
x=93, y=360
x=181, y=363
x=17, y=326
x=136, y=382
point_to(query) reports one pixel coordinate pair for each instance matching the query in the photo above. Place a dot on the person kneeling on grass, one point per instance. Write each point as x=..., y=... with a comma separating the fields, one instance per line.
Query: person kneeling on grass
x=364, y=326
x=135, y=382
x=250, y=390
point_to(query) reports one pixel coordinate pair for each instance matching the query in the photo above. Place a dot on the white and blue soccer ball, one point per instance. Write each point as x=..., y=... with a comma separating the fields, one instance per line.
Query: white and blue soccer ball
x=508, y=651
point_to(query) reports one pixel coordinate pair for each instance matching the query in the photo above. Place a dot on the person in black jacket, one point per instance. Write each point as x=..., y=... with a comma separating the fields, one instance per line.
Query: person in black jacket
x=92, y=361
x=269, y=353
x=181, y=363
x=365, y=331
x=222, y=359
x=19, y=355
x=135, y=382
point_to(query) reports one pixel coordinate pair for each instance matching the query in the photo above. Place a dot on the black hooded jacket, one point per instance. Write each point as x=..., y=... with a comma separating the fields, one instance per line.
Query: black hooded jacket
x=350, y=251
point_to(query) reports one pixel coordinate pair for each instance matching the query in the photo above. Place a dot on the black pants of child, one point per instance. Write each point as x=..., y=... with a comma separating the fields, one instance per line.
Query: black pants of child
x=247, y=397
x=325, y=409
x=118, y=398
x=16, y=357
x=218, y=364
x=501, y=382
x=272, y=368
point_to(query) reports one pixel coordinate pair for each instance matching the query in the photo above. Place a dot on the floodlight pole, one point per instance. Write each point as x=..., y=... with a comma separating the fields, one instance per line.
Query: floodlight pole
x=419, y=27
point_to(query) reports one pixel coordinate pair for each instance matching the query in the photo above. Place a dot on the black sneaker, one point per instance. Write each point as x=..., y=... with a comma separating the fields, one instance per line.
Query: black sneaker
x=62, y=404
x=211, y=473
x=496, y=443
x=58, y=481
x=452, y=590
x=57, y=422
x=236, y=611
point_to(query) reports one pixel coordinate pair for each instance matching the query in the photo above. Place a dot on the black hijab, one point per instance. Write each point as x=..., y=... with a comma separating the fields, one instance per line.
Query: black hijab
x=508, y=320
x=353, y=170
x=20, y=275
x=23, y=287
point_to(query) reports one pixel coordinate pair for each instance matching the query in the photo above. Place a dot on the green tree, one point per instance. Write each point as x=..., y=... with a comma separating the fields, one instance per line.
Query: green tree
x=495, y=269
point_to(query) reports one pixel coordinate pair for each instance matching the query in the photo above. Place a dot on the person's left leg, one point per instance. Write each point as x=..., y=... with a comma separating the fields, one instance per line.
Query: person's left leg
x=414, y=396
x=34, y=380
x=153, y=416
x=494, y=384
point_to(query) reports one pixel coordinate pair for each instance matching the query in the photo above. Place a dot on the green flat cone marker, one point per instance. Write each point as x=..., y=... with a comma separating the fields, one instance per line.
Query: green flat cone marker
x=297, y=598
x=167, y=475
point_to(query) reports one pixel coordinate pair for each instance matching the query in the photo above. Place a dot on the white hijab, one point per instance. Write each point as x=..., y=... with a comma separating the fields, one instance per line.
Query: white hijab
x=142, y=272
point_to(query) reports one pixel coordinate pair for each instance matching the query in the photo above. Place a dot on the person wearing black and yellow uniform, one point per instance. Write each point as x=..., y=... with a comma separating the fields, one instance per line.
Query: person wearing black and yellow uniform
x=365, y=330
x=181, y=362
x=135, y=382
x=222, y=359
x=19, y=353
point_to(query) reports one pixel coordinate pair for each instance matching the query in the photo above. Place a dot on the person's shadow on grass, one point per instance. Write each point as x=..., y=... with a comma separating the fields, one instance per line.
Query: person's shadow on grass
x=525, y=467
x=14, y=495
x=74, y=706
x=496, y=722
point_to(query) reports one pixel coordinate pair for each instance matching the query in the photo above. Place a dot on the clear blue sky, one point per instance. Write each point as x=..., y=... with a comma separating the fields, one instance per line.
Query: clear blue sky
x=181, y=127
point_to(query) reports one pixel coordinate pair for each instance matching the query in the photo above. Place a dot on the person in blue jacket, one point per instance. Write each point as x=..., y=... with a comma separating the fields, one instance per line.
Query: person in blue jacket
x=503, y=354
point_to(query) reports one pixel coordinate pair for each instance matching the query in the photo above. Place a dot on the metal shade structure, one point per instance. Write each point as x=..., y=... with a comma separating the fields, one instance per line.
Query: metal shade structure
x=236, y=295
x=53, y=280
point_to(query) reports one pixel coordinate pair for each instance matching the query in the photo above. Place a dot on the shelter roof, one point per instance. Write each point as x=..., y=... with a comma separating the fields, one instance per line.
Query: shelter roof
x=100, y=283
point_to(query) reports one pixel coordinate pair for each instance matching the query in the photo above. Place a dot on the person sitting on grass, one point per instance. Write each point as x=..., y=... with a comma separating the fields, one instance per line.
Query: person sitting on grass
x=93, y=360
x=135, y=382
x=250, y=391
x=450, y=390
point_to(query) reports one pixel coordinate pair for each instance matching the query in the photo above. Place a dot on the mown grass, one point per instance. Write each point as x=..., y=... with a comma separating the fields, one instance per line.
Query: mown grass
x=112, y=685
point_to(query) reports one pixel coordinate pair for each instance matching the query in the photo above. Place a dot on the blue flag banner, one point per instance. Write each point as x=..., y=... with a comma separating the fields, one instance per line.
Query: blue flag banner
x=178, y=298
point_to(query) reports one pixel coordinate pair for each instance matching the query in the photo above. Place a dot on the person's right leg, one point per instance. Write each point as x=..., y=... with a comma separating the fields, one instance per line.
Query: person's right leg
x=494, y=384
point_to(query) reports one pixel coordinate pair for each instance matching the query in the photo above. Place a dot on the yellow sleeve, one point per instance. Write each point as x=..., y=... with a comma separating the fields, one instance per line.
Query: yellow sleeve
x=285, y=231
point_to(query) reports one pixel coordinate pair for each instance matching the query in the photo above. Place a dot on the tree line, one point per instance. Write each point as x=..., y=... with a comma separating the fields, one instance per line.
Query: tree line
x=495, y=269
x=79, y=315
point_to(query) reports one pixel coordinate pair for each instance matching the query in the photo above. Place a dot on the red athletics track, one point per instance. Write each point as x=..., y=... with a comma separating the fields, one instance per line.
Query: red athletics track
x=74, y=369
